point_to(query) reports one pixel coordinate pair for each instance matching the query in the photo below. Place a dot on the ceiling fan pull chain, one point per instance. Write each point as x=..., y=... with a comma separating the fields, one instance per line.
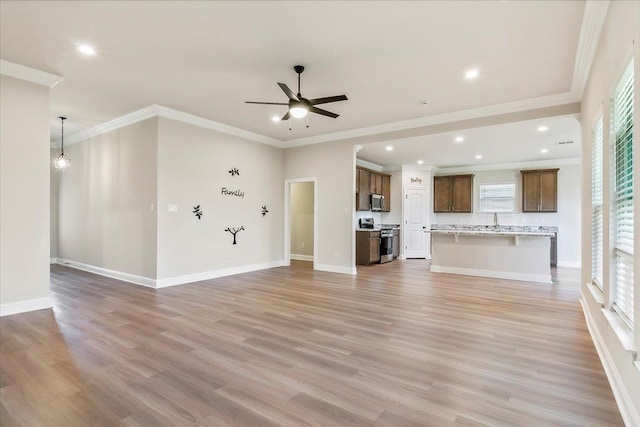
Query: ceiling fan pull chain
x=307, y=121
x=289, y=123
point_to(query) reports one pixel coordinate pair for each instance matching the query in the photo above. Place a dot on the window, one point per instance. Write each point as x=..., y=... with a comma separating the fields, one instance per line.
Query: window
x=597, y=218
x=622, y=126
x=498, y=197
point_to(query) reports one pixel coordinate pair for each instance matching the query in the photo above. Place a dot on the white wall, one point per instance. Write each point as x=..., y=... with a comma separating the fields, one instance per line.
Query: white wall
x=105, y=199
x=615, y=49
x=333, y=164
x=193, y=166
x=24, y=194
x=302, y=218
x=567, y=219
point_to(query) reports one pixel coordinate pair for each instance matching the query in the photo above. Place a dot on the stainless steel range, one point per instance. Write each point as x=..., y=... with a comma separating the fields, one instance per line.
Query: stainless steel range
x=386, y=246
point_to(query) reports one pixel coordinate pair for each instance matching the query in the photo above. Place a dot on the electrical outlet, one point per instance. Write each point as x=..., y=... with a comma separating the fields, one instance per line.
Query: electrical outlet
x=152, y=207
x=302, y=245
x=172, y=208
x=335, y=252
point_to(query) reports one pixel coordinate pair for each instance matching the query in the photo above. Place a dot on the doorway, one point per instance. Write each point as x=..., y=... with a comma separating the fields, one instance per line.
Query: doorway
x=300, y=228
x=415, y=223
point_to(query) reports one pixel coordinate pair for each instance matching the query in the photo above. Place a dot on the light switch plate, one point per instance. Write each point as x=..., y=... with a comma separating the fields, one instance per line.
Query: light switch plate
x=173, y=208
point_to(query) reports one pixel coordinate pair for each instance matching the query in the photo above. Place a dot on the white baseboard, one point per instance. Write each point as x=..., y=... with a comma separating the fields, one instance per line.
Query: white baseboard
x=302, y=257
x=197, y=277
x=630, y=413
x=126, y=277
x=571, y=264
x=23, y=306
x=525, y=277
x=53, y=260
x=335, y=269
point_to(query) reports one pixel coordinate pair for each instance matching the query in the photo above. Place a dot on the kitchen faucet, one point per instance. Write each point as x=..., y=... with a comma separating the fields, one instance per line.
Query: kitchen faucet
x=495, y=219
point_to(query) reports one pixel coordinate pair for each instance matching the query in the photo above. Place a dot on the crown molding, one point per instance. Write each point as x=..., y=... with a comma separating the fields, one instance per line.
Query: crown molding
x=595, y=13
x=473, y=113
x=537, y=164
x=169, y=113
x=29, y=74
x=369, y=165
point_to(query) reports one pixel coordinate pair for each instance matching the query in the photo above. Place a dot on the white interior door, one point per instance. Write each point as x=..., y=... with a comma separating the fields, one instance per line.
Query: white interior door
x=415, y=222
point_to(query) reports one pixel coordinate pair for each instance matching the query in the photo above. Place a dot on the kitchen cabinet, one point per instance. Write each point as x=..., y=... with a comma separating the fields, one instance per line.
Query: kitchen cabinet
x=396, y=243
x=553, y=255
x=540, y=190
x=376, y=183
x=386, y=192
x=369, y=182
x=453, y=193
x=367, y=247
x=363, y=190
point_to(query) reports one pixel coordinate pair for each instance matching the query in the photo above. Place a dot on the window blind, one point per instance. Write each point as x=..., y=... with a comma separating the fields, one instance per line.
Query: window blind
x=498, y=197
x=623, y=180
x=597, y=218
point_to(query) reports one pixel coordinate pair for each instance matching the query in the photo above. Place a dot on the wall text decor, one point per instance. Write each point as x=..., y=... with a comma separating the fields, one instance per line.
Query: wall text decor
x=416, y=180
x=264, y=210
x=197, y=212
x=234, y=231
x=236, y=193
x=234, y=172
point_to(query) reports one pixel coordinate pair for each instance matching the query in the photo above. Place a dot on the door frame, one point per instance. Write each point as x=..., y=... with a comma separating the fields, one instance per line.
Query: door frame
x=287, y=218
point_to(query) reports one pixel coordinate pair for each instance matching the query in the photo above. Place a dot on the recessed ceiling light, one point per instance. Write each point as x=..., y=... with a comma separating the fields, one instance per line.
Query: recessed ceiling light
x=459, y=138
x=543, y=128
x=420, y=162
x=478, y=156
x=275, y=119
x=544, y=150
x=389, y=148
x=471, y=74
x=85, y=49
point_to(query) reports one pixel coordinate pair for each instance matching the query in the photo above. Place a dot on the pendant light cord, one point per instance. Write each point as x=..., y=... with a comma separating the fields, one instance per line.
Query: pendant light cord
x=62, y=119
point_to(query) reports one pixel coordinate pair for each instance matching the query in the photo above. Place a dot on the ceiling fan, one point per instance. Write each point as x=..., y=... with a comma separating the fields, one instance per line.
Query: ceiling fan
x=299, y=106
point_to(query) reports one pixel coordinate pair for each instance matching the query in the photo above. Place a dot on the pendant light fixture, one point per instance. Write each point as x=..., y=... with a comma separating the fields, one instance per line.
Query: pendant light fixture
x=61, y=161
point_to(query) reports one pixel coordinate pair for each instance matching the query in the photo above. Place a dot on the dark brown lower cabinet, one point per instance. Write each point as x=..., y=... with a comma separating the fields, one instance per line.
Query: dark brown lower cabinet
x=367, y=247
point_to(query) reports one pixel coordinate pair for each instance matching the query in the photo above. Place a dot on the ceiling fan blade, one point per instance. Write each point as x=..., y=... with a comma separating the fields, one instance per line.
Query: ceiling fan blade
x=323, y=112
x=288, y=92
x=285, y=117
x=328, y=99
x=266, y=103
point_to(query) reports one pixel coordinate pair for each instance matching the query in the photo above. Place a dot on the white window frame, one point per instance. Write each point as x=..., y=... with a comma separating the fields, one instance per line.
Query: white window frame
x=622, y=218
x=480, y=199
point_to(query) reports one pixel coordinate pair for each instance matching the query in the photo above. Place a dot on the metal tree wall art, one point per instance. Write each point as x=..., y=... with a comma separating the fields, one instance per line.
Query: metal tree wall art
x=197, y=212
x=234, y=231
x=234, y=172
x=264, y=210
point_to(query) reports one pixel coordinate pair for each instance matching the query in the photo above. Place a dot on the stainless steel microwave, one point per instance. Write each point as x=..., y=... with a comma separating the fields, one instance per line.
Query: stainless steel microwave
x=377, y=202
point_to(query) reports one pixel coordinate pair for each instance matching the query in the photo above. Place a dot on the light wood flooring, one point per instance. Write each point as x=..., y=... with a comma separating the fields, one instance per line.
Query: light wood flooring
x=393, y=346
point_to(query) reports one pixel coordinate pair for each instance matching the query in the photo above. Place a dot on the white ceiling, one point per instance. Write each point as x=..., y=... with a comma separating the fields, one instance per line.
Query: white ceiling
x=207, y=58
x=506, y=143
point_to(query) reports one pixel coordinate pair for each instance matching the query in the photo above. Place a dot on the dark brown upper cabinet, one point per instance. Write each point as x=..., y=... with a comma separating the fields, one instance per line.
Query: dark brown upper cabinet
x=540, y=190
x=453, y=193
x=369, y=182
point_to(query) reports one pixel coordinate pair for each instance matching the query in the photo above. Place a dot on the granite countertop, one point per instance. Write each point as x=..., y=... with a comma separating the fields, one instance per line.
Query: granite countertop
x=379, y=227
x=490, y=230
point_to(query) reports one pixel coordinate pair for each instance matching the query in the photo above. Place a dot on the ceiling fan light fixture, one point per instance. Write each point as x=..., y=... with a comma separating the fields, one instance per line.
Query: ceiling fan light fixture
x=299, y=111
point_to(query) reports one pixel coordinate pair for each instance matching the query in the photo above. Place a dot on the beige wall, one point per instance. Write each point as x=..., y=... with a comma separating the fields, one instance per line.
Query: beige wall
x=24, y=191
x=622, y=28
x=106, y=199
x=333, y=164
x=193, y=166
x=53, y=194
x=302, y=218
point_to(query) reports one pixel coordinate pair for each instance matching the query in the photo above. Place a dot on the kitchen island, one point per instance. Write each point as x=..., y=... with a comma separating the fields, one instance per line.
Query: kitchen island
x=504, y=252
